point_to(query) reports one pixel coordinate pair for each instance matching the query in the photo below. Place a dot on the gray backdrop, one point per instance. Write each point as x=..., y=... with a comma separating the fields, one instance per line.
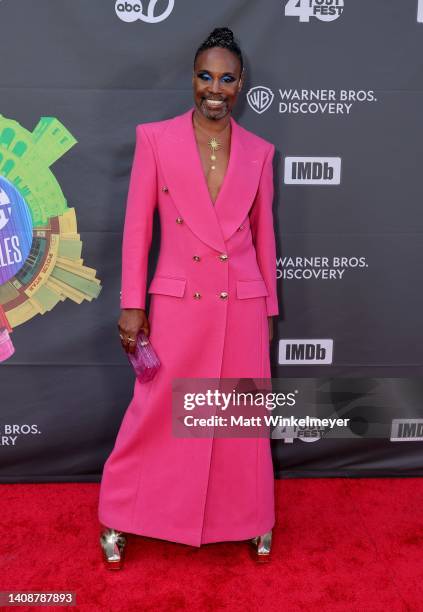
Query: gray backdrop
x=344, y=82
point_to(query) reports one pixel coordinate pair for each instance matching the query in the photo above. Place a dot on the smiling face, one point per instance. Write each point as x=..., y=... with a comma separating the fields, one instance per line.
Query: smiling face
x=216, y=82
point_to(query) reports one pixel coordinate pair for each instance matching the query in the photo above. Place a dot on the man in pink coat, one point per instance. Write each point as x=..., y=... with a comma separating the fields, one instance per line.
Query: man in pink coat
x=213, y=296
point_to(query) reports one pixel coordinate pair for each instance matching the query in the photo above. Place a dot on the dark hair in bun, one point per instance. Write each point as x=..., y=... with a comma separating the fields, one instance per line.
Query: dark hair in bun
x=224, y=38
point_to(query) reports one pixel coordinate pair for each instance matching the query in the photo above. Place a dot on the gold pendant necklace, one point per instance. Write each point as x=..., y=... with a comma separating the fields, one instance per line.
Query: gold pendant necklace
x=214, y=145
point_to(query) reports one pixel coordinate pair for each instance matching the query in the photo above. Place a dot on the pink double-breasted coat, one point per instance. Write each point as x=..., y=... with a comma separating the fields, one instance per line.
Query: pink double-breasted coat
x=195, y=490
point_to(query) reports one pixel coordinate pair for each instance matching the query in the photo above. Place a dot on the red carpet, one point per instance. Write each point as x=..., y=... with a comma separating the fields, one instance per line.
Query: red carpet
x=339, y=544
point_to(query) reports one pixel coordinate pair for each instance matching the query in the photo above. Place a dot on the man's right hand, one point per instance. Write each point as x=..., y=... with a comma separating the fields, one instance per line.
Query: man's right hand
x=131, y=322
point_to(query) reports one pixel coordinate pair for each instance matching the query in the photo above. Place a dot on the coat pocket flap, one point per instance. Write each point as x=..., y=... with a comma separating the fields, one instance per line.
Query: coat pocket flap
x=167, y=285
x=251, y=288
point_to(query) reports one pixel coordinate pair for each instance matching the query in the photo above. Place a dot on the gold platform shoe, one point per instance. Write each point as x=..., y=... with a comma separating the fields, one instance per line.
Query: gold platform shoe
x=113, y=545
x=262, y=546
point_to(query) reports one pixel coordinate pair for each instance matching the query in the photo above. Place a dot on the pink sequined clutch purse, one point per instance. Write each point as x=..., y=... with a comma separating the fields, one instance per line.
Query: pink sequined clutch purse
x=144, y=360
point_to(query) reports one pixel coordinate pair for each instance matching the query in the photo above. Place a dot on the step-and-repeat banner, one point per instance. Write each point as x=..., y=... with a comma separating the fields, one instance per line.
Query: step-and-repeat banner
x=336, y=85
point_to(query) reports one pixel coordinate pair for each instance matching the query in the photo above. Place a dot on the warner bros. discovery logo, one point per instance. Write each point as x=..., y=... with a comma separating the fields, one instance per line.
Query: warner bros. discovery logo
x=303, y=351
x=260, y=98
x=132, y=10
x=312, y=170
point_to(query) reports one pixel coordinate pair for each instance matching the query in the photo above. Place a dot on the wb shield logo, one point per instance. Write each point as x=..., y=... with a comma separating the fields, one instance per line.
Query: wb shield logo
x=260, y=98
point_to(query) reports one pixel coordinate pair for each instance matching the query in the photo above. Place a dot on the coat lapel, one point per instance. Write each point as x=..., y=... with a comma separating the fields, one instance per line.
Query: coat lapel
x=183, y=172
x=241, y=182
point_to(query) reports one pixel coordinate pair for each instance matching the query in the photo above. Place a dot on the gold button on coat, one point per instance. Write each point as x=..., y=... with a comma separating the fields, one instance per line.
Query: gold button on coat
x=223, y=257
x=196, y=257
x=223, y=295
x=197, y=295
x=179, y=220
x=165, y=189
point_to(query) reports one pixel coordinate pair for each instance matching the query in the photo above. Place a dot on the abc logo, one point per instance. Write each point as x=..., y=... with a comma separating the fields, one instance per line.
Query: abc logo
x=131, y=10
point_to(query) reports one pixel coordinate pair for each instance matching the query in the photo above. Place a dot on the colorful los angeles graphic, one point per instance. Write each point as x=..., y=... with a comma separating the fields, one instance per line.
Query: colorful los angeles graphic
x=40, y=248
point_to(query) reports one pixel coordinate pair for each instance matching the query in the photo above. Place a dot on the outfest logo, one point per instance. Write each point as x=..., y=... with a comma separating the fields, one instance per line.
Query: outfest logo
x=40, y=248
x=324, y=10
x=143, y=10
